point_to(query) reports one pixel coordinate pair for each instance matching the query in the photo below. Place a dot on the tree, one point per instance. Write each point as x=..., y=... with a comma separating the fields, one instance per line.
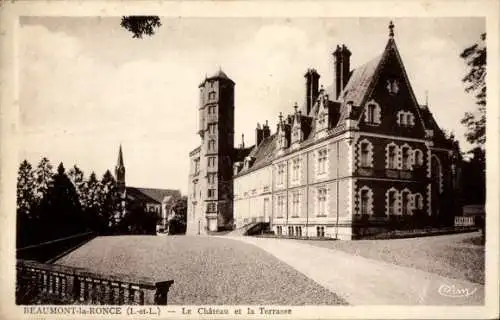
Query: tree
x=137, y=220
x=178, y=221
x=110, y=199
x=475, y=82
x=25, y=189
x=43, y=179
x=92, y=204
x=61, y=208
x=77, y=178
x=141, y=25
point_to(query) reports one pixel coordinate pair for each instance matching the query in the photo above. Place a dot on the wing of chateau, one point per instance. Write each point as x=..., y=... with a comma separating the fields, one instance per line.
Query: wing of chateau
x=360, y=155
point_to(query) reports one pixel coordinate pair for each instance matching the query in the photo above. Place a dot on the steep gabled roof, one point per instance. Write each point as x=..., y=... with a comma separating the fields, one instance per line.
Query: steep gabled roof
x=263, y=154
x=151, y=194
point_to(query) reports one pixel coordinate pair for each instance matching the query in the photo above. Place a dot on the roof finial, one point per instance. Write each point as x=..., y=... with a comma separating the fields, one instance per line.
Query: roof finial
x=242, y=140
x=426, y=98
x=281, y=116
x=391, y=29
x=295, y=106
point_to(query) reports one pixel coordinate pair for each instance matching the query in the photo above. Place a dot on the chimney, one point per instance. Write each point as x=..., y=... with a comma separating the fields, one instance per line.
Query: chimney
x=259, y=134
x=341, y=66
x=266, y=132
x=312, y=81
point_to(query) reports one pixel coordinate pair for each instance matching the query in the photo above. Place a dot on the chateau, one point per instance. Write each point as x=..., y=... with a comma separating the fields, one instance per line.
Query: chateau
x=358, y=157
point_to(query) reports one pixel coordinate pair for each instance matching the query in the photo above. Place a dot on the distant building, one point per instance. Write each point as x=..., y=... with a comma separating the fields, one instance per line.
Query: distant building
x=354, y=158
x=159, y=201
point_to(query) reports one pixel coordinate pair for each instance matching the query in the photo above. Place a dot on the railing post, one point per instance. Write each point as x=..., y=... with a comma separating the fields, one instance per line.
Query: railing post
x=162, y=289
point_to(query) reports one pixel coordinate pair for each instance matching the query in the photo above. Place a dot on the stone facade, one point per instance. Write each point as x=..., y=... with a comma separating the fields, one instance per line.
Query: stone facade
x=357, y=158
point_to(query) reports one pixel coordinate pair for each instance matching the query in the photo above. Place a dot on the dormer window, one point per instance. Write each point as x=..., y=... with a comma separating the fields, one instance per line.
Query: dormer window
x=372, y=113
x=419, y=157
x=405, y=118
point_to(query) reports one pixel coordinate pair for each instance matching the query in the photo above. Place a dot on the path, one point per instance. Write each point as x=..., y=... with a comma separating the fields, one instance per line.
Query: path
x=362, y=281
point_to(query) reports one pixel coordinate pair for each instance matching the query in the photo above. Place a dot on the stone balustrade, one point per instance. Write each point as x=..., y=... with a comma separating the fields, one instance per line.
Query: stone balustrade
x=57, y=284
x=464, y=221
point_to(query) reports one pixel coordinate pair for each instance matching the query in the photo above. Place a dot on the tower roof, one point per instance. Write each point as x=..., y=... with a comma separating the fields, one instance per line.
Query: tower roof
x=120, y=157
x=219, y=75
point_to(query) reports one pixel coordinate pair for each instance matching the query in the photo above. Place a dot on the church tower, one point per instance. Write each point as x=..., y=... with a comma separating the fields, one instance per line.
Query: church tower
x=120, y=184
x=120, y=172
x=216, y=129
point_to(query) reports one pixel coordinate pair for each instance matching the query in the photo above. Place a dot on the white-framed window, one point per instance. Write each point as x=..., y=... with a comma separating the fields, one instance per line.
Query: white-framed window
x=365, y=154
x=212, y=207
x=391, y=156
x=365, y=200
x=391, y=198
x=211, y=193
x=322, y=161
x=279, y=230
x=321, y=201
x=372, y=114
x=405, y=118
x=196, y=164
x=406, y=202
x=290, y=231
x=295, y=169
x=298, y=231
x=211, y=162
x=320, y=231
x=406, y=158
x=280, y=203
x=419, y=201
x=418, y=156
x=194, y=190
x=211, y=177
x=281, y=174
x=212, y=128
x=211, y=145
x=295, y=204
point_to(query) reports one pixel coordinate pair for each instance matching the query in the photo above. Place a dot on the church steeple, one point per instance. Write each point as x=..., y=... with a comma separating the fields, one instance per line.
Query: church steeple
x=120, y=172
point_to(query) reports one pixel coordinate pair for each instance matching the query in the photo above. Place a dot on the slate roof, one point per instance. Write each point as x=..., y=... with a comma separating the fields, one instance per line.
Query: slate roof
x=151, y=194
x=430, y=123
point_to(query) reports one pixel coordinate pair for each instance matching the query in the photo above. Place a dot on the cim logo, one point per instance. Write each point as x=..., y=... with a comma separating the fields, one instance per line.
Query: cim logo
x=454, y=292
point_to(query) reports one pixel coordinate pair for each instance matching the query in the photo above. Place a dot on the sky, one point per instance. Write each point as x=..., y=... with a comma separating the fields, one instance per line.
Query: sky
x=86, y=86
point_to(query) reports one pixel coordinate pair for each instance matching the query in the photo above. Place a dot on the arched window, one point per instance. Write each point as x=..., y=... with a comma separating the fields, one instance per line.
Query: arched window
x=391, y=199
x=372, y=113
x=436, y=172
x=365, y=154
x=419, y=157
x=406, y=202
x=365, y=195
x=391, y=152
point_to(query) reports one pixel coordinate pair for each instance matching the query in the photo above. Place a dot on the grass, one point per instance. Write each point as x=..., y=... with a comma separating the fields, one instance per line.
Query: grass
x=205, y=270
x=456, y=256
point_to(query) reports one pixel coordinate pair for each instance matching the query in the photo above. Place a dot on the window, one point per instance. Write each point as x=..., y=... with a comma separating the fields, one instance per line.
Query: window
x=322, y=159
x=408, y=119
x=281, y=174
x=370, y=113
x=211, y=95
x=194, y=190
x=321, y=202
x=365, y=155
x=295, y=204
x=211, y=110
x=320, y=232
x=196, y=165
x=322, y=119
x=419, y=157
x=296, y=133
x=298, y=231
x=392, y=157
x=406, y=158
x=211, y=193
x=419, y=201
x=290, y=231
x=406, y=203
x=211, y=162
x=392, y=202
x=211, y=178
x=212, y=128
x=364, y=202
x=211, y=207
x=211, y=145
x=279, y=230
x=402, y=118
x=295, y=169
x=281, y=206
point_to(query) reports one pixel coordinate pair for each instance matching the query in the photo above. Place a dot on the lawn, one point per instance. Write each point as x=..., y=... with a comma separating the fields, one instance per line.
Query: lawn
x=458, y=256
x=205, y=270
